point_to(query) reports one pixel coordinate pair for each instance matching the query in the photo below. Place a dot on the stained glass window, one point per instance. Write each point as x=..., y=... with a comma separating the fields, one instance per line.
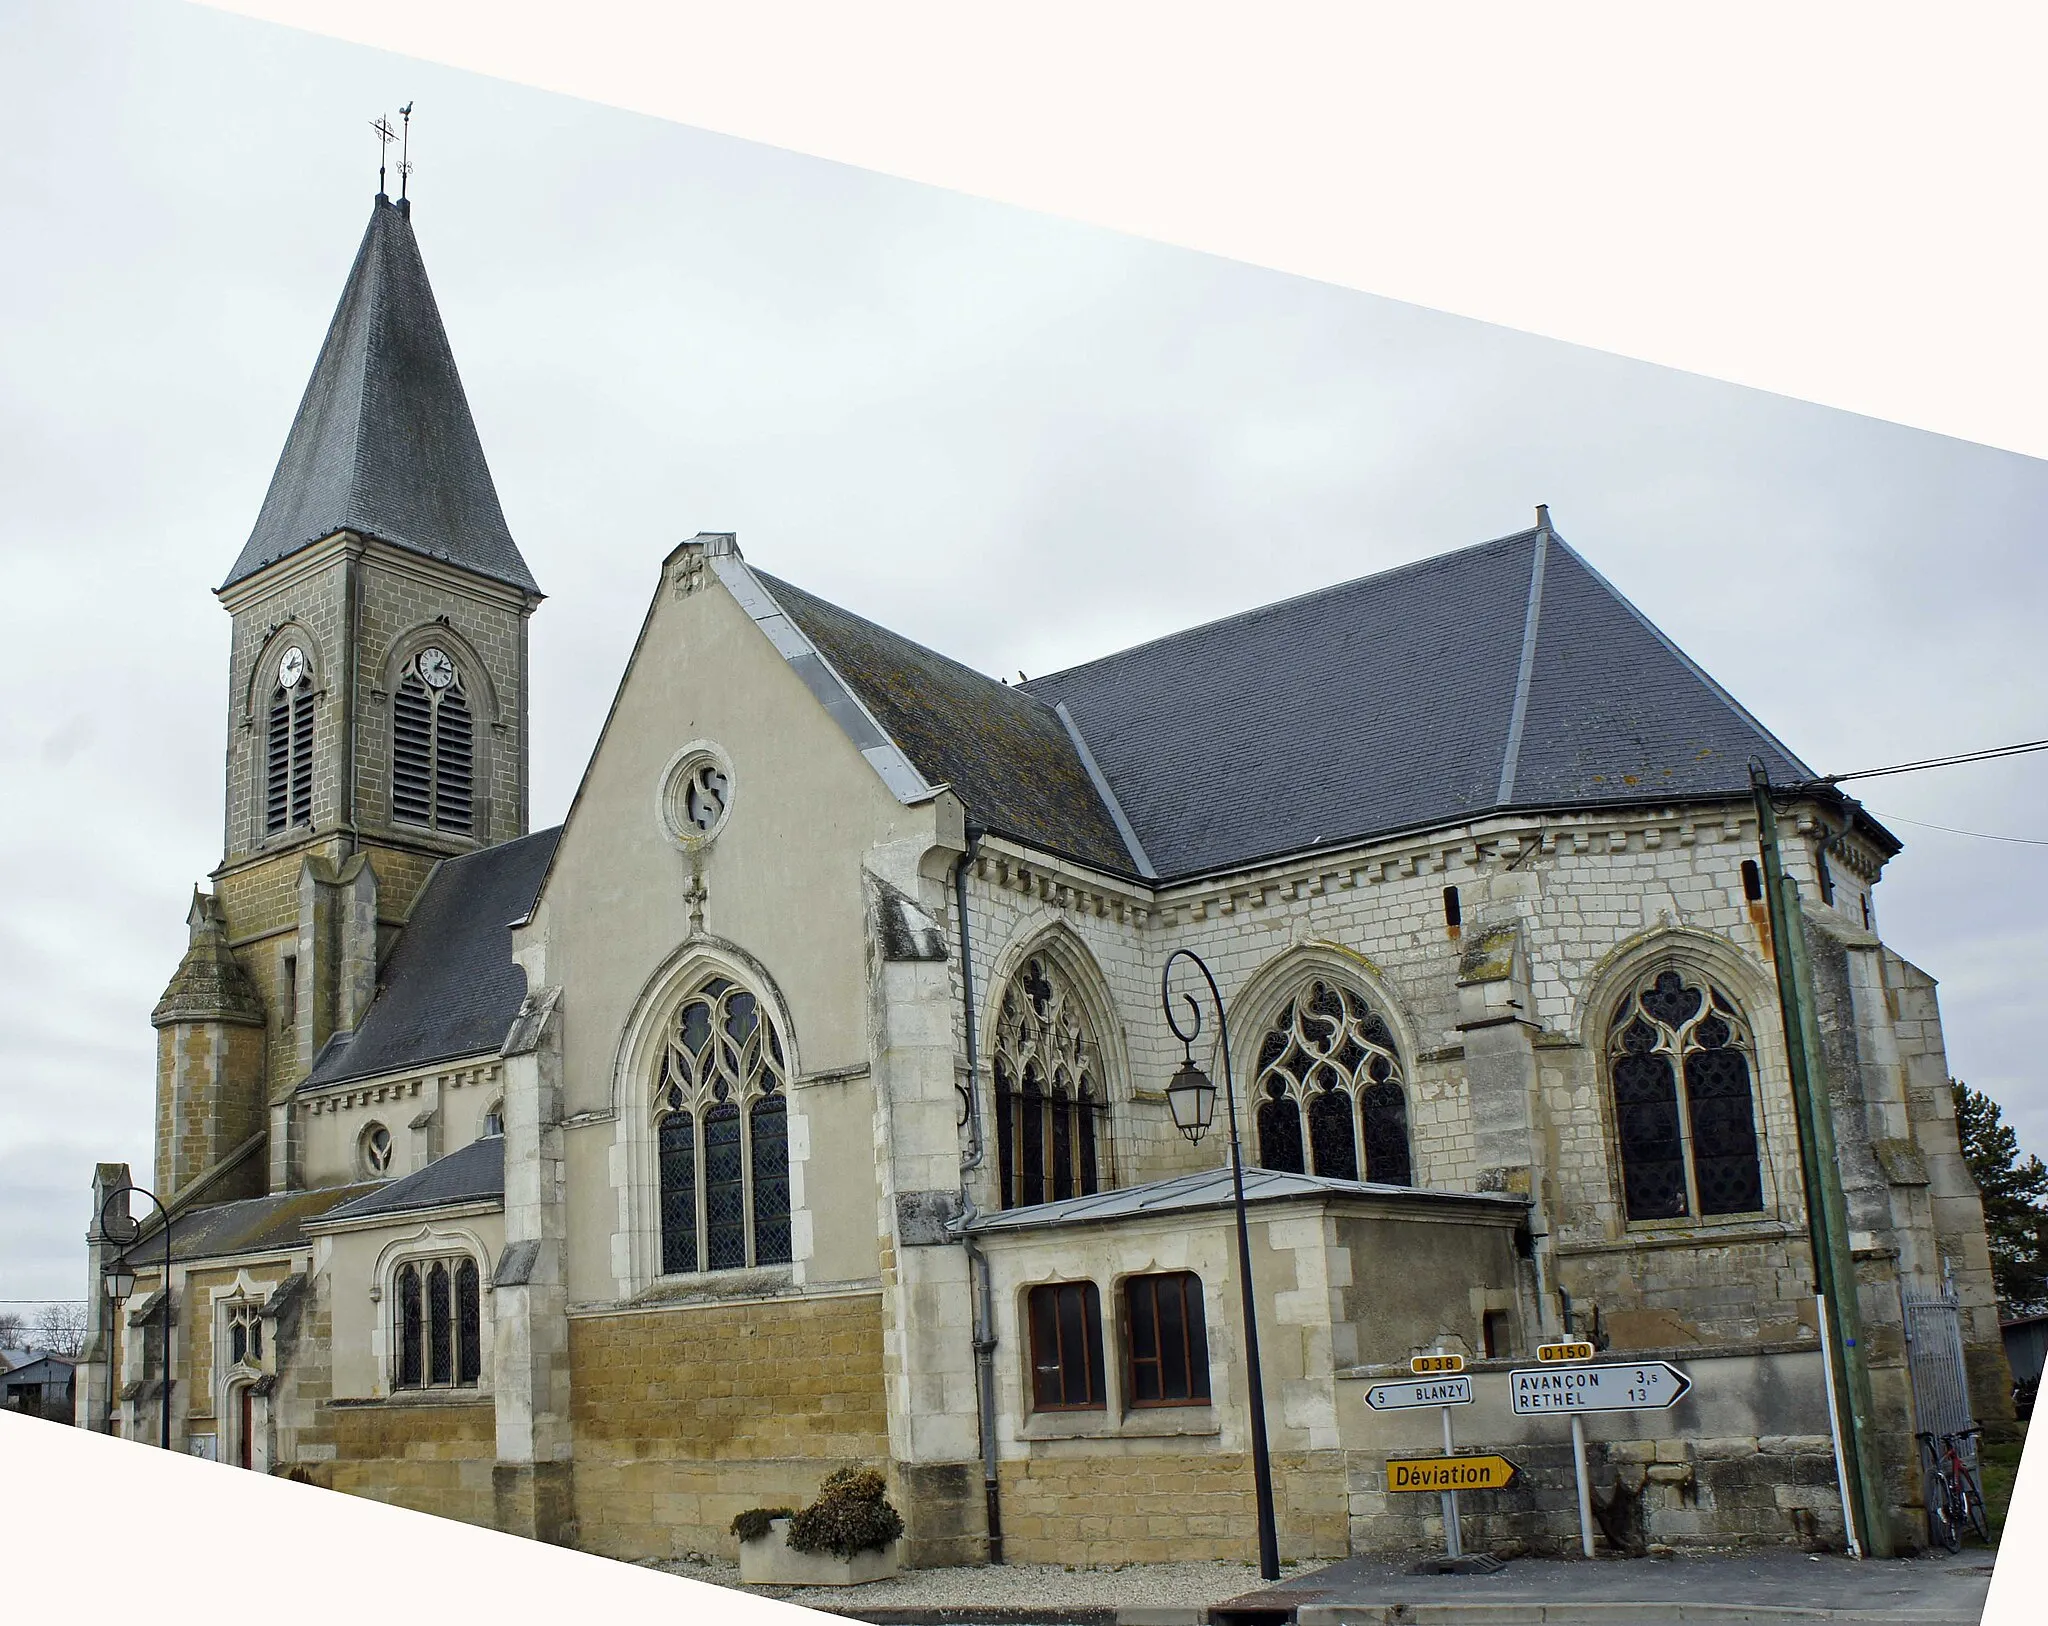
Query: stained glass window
x=1679, y=1058
x=1328, y=1084
x=439, y=1318
x=722, y=1128
x=1050, y=1140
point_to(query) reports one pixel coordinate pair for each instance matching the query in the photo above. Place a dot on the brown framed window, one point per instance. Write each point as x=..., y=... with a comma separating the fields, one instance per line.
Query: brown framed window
x=1066, y=1348
x=1168, y=1340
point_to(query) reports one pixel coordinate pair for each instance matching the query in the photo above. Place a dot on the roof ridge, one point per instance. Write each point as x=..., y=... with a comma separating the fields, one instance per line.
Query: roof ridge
x=1280, y=604
x=1511, y=752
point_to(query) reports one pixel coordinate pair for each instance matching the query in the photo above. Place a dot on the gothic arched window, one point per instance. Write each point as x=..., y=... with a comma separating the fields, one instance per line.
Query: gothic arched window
x=440, y=1323
x=288, y=756
x=722, y=1135
x=1678, y=1055
x=433, y=745
x=1328, y=1085
x=1050, y=1096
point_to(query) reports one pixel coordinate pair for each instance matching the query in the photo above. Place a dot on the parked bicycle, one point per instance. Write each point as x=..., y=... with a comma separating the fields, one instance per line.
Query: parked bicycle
x=1955, y=1497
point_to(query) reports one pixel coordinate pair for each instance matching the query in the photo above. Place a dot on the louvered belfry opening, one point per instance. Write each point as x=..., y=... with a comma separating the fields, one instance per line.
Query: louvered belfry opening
x=433, y=754
x=288, y=760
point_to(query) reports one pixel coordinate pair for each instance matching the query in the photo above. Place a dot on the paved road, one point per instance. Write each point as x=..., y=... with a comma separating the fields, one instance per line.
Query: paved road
x=1767, y=1588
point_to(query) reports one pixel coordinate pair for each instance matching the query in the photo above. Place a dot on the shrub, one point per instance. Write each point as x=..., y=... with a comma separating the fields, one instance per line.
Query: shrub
x=753, y=1524
x=851, y=1516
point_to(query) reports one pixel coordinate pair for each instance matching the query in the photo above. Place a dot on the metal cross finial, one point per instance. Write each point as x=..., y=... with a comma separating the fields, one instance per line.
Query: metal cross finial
x=385, y=136
x=404, y=148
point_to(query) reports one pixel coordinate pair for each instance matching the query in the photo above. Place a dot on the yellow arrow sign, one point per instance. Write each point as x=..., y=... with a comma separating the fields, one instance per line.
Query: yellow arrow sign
x=1547, y=1353
x=1450, y=1473
x=1422, y=1365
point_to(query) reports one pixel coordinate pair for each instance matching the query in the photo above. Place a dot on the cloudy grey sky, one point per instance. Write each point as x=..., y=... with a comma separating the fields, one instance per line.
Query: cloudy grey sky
x=1021, y=441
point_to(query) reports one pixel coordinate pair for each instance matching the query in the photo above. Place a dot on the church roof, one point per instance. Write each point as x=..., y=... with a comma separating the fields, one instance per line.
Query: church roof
x=1509, y=675
x=1005, y=752
x=1505, y=676
x=383, y=443
x=473, y=1173
x=252, y=1225
x=449, y=986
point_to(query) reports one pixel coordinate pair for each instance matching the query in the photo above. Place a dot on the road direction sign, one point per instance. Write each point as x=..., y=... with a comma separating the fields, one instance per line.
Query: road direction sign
x=1450, y=1473
x=1627, y=1386
x=1421, y=1392
x=1425, y=1365
x=1546, y=1353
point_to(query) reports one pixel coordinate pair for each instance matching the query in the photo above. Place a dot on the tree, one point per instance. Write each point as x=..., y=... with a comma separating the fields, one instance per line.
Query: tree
x=2015, y=1193
x=13, y=1330
x=60, y=1327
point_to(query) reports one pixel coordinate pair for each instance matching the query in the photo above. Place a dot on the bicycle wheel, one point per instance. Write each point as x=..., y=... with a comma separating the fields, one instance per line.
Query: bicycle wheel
x=1941, y=1525
x=1974, y=1513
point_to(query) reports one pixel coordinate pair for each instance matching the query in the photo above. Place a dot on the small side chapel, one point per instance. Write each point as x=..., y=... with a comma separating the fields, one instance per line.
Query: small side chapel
x=799, y=1101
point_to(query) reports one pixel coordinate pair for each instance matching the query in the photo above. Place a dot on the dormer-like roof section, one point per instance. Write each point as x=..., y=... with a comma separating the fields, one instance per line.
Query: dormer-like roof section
x=383, y=443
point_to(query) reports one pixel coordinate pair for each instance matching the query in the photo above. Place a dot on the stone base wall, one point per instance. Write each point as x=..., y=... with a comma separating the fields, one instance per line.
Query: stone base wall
x=431, y=1458
x=685, y=1416
x=1154, y=1509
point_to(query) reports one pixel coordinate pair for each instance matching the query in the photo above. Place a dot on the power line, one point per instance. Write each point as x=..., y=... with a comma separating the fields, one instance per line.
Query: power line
x=1981, y=835
x=1989, y=755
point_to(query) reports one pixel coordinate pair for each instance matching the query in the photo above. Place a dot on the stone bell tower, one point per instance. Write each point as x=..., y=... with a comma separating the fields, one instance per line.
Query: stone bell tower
x=377, y=717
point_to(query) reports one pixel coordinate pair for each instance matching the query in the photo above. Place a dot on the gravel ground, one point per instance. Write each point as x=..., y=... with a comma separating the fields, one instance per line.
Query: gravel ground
x=1146, y=1586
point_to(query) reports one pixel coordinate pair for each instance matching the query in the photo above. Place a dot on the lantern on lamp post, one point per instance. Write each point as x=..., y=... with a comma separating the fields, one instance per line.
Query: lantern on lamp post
x=120, y=1283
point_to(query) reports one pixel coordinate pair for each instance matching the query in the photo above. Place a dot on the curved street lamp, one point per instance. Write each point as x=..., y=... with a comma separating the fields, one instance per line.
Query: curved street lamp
x=1191, y=1098
x=120, y=1280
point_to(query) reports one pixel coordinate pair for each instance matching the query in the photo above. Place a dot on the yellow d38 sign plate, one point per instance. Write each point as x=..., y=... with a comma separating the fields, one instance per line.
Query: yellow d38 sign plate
x=1546, y=1353
x=1424, y=1365
x=1450, y=1473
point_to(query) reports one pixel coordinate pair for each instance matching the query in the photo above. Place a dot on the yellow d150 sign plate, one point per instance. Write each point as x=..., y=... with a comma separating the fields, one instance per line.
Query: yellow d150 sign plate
x=1547, y=1353
x=1450, y=1473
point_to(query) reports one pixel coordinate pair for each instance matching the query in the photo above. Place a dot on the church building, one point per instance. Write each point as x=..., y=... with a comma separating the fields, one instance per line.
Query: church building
x=801, y=1100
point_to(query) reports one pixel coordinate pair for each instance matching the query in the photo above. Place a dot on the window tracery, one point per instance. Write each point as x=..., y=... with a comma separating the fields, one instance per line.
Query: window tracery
x=433, y=743
x=440, y=1323
x=244, y=1334
x=722, y=1134
x=1329, y=1091
x=1050, y=1096
x=375, y=1151
x=1679, y=1059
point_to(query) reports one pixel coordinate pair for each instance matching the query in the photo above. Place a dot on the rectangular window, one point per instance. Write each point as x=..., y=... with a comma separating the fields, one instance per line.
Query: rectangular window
x=1066, y=1348
x=1169, y=1340
x=288, y=993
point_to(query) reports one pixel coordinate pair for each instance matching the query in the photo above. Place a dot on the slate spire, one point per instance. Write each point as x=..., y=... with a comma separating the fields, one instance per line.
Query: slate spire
x=383, y=443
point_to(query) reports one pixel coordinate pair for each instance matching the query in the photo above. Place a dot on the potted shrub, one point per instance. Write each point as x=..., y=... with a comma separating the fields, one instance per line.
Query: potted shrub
x=849, y=1535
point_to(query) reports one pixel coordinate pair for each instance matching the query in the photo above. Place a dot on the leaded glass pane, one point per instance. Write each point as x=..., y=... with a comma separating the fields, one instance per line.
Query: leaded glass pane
x=238, y=1343
x=410, y=1372
x=469, y=1359
x=1280, y=1135
x=1385, y=1111
x=1006, y=1129
x=1087, y=1108
x=1031, y=1140
x=1062, y=1145
x=725, y=1203
x=678, y=1194
x=1652, y=1155
x=1330, y=1134
x=769, y=1123
x=1724, y=1159
x=440, y=1326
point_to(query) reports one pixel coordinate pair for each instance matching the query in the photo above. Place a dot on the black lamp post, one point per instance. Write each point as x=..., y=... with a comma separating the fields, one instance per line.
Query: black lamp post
x=120, y=1279
x=1191, y=1098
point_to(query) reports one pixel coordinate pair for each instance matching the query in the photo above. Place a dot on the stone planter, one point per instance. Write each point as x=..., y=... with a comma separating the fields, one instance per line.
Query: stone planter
x=770, y=1562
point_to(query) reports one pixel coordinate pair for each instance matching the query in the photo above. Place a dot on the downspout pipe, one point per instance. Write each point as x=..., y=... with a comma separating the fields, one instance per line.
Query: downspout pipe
x=977, y=1262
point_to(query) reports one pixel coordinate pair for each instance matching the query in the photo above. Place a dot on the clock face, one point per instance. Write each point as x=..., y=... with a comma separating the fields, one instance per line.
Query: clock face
x=436, y=668
x=291, y=667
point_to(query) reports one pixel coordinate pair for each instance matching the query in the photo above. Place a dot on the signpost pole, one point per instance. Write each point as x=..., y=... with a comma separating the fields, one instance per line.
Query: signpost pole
x=1585, y=1490
x=1454, y=1537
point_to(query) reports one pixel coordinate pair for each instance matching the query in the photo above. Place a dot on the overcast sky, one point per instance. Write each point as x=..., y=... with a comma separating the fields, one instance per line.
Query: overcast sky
x=1021, y=441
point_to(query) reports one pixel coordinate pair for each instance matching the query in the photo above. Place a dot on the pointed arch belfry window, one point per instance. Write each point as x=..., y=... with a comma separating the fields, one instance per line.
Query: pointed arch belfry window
x=722, y=1130
x=433, y=745
x=1051, y=1139
x=1329, y=1091
x=1680, y=1061
x=288, y=757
